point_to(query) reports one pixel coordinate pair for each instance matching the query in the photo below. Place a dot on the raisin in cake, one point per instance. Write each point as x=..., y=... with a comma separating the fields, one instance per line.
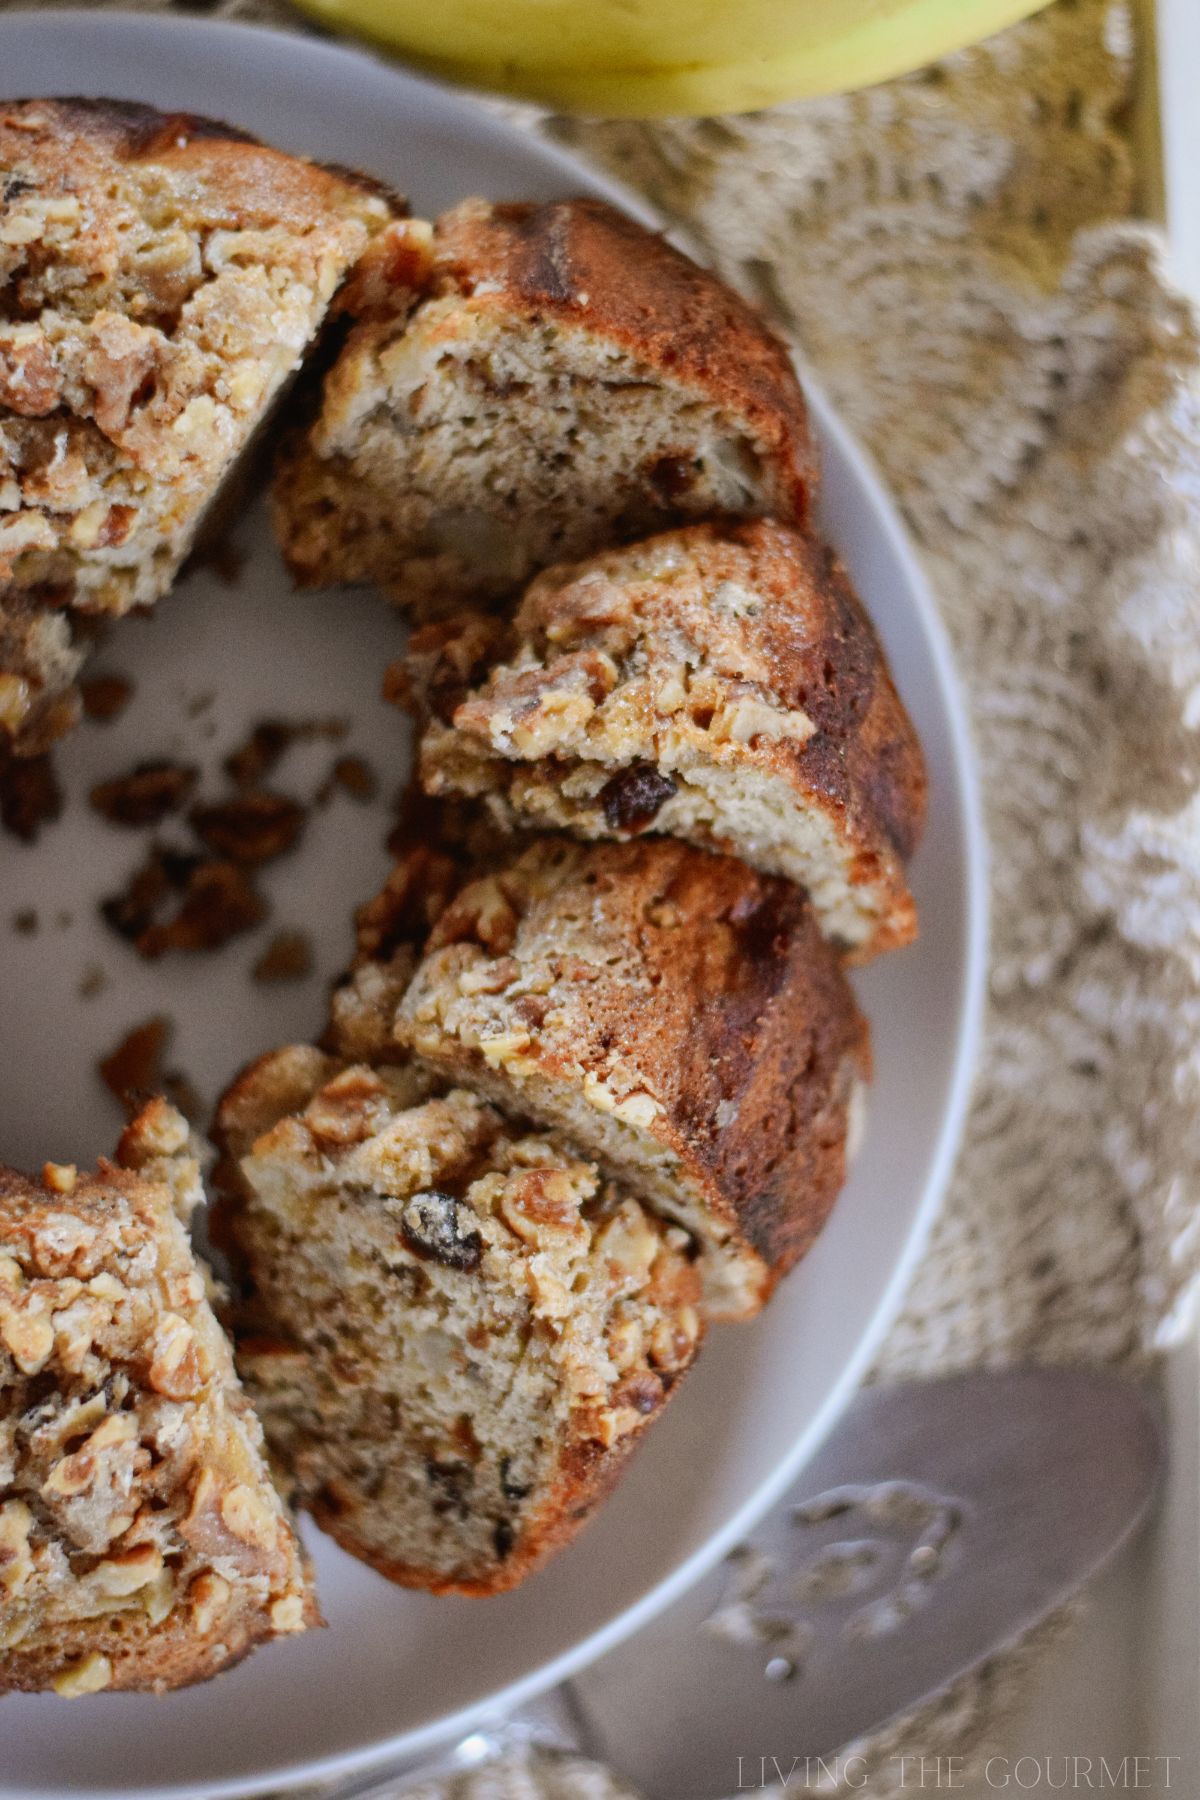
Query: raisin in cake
x=719, y=683
x=160, y=278
x=678, y=1016
x=142, y=1544
x=454, y=1330
x=556, y=378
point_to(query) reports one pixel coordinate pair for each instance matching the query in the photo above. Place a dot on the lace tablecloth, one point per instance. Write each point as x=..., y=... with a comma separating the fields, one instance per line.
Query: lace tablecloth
x=954, y=253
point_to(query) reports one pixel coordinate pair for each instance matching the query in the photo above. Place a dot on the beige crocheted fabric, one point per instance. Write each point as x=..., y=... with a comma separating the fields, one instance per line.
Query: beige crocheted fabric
x=951, y=255
x=954, y=254
x=523, y=1774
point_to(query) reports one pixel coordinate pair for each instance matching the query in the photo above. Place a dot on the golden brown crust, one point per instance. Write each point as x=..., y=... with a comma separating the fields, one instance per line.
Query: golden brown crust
x=576, y=260
x=679, y=993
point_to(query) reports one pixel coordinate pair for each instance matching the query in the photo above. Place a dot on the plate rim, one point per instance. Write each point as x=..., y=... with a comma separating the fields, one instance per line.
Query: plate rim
x=410, y=1747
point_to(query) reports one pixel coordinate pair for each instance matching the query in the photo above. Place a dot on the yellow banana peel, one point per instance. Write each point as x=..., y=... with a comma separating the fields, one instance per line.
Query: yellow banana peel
x=657, y=58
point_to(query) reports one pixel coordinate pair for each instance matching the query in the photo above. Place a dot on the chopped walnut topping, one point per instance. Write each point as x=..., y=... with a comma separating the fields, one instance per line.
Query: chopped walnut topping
x=146, y=795
x=491, y=977
x=673, y=1340
x=30, y=796
x=249, y=1517
x=89, y=1675
x=253, y=761
x=121, y=358
x=30, y=384
x=250, y=762
x=288, y=1614
x=288, y=957
x=483, y=912
x=506, y=1049
x=254, y=828
x=208, y=1596
x=745, y=718
x=134, y=1068
x=177, y=1366
x=29, y=1337
x=157, y=1132
x=105, y=697
x=214, y=901
x=219, y=903
x=16, y=1560
x=129, y=1572
x=628, y=1242
x=542, y=1207
x=354, y=776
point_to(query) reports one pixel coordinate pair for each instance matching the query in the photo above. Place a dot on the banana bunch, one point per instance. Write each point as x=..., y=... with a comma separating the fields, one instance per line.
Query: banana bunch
x=656, y=58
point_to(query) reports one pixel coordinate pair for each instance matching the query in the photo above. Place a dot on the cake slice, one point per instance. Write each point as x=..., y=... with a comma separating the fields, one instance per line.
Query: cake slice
x=454, y=1330
x=161, y=276
x=142, y=1544
x=556, y=378
x=719, y=683
x=677, y=1016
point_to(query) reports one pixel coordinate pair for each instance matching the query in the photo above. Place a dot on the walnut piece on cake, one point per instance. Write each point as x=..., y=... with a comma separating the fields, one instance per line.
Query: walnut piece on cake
x=161, y=277
x=532, y=383
x=142, y=1544
x=437, y=844
x=719, y=683
x=455, y=1331
x=676, y=1015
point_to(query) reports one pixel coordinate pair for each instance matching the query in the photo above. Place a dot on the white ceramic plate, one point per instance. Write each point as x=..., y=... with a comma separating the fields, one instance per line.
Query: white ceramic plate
x=395, y=1672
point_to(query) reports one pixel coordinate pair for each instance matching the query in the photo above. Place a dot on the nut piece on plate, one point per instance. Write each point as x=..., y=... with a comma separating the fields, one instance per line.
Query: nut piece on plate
x=142, y=1545
x=677, y=1016
x=558, y=379
x=454, y=1330
x=165, y=275
x=720, y=683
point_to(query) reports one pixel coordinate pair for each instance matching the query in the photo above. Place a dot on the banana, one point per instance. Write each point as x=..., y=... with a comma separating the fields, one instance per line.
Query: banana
x=655, y=58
